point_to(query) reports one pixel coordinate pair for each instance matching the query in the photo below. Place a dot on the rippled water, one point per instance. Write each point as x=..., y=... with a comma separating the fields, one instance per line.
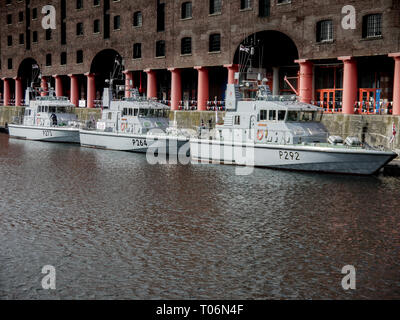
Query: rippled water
x=114, y=226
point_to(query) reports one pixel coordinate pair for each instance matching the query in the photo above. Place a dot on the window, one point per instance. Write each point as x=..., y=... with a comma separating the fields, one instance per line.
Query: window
x=21, y=38
x=264, y=8
x=186, y=10
x=137, y=51
x=9, y=41
x=63, y=58
x=186, y=45
x=48, y=34
x=63, y=22
x=272, y=115
x=293, y=116
x=35, y=36
x=117, y=22
x=263, y=115
x=307, y=116
x=137, y=19
x=160, y=16
x=79, y=4
x=79, y=29
x=96, y=26
x=237, y=120
x=215, y=6
x=48, y=60
x=96, y=3
x=325, y=31
x=79, y=56
x=34, y=13
x=160, y=48
x=10, y=64
x=245, y=4
x=9, y=19
x=281, y=115
x=20, y=16
x=215, y=42
x=372, y=26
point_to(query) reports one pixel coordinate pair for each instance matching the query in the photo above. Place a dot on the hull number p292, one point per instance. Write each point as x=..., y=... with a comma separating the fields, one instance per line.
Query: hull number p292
x=290, y=156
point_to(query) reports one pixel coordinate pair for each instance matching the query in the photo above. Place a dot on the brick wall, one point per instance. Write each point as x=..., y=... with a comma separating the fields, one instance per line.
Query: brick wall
x=297, y=20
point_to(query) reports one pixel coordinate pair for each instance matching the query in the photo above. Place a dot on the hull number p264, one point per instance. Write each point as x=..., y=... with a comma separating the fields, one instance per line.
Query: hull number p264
x=139, y=142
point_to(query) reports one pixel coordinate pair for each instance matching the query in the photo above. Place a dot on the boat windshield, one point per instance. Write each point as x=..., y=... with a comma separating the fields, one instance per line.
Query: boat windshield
x=304, y=116
x=64, y=110
x=53, y=109
x=143, y=112
x=157, y=113
x=129, y=112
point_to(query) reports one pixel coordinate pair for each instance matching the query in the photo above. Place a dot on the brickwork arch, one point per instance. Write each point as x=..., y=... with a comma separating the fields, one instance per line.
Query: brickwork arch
x=29, y=73
x=272, y=48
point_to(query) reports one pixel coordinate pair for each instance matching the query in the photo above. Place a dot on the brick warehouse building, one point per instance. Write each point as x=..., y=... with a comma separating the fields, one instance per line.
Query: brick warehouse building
x=183, y=50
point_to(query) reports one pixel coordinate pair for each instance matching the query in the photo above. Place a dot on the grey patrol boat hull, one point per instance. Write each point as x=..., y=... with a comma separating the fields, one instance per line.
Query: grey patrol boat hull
x=298, y=158
x=131, y=142
x=43, y=133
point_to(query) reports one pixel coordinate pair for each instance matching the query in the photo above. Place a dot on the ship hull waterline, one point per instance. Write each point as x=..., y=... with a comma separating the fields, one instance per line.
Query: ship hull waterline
x=294, y=158
x=45, y=134
x=132, y=142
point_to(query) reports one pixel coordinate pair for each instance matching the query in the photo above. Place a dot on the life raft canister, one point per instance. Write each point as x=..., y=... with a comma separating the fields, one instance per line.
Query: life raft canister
x=260, y=135
x=124, y=126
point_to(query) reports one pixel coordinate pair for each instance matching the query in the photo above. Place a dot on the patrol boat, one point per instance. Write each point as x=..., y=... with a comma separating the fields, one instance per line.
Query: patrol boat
x=279, y=132
x=133, y=124
x=48, y=118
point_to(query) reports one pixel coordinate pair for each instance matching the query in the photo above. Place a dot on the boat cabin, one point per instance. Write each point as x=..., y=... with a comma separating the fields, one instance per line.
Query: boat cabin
x=50, y=111
x=263, y=118
x=133, y=115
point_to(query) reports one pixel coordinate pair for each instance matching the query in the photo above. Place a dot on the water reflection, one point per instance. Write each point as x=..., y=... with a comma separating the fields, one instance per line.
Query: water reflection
x=117, y=227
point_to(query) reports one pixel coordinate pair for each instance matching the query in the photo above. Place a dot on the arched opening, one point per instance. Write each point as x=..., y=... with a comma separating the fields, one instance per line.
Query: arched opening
x=107, y=64
x=29, y=73
x=271, y=54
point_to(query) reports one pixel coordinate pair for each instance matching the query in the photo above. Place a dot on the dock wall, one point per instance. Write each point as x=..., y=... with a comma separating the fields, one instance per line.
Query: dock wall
x=7, y=114
x=376, y=130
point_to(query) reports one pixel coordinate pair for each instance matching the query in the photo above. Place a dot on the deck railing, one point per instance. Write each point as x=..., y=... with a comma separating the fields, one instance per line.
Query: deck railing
x=360, y=107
